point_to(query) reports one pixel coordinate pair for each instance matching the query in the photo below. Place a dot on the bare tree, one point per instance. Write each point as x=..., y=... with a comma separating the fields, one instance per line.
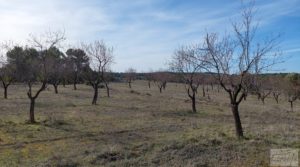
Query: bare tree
x=149, y=78
x=185, y=63
x=262, y=87
x=101, y=58
x=277, y=84
x=234, y=58
x=7, y=70
x=161, y=79
x=37, y=66
x=292, y=88
x=107, y=78
x=130, y=75
x=6, y=77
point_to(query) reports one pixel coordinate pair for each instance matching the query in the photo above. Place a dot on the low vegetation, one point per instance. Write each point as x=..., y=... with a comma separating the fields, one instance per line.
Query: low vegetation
x=135, y=129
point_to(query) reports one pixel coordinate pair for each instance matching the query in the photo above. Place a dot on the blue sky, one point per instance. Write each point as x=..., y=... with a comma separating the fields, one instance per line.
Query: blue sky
x=145, y=33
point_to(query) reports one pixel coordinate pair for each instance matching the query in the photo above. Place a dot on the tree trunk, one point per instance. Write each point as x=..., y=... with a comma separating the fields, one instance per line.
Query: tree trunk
x=94, y=102
x=149, y=84
x=160, y=89
x=203, y=91
x=5, y=92
x=55, y=88
x=31, y=113
x=263, y=100
x=107, y=90
x=129, y=84
x=194, y=103
x=74, y=84
x=292, y=105
x=237, y=120
x=245, y=97
x=64, y=83
x=276, y=97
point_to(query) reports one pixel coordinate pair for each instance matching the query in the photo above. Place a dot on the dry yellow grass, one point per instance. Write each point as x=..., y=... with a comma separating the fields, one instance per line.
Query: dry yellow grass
x=141, y=128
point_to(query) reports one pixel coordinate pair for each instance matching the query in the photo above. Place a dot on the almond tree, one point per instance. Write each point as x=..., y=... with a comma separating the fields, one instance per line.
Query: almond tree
x=7, y=70
x=6, y=77
x=185, y=63
x=130, y=75
x=232, y=58
x=277, y=84
x=101, y=58
x=292, y=88
x=262, y=88
x=149, y=78
x=161, y=79
x=36, y=65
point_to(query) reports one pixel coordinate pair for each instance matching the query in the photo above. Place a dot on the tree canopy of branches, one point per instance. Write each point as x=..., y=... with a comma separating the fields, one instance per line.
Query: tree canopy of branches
x=130, y=75
x=292, y=88
x=101, y=57
x=161, y=78
x=33, y=64
x=185, y=63
x=235, y=57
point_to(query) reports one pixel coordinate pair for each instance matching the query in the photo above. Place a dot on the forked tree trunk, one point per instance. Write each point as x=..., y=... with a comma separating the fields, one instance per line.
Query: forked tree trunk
x=94, y=102
x=5, y=86
x=237, y=120
x=276, y=97
x=31, y=112
x=32, y=99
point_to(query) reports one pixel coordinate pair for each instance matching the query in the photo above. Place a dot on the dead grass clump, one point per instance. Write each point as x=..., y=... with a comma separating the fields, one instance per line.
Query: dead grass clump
x=112, y=156
x=135, y=92
x=54, y=120
x=59, y=161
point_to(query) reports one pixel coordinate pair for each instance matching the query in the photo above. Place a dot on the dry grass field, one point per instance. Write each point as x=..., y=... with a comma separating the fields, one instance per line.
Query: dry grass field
x=141, y=127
